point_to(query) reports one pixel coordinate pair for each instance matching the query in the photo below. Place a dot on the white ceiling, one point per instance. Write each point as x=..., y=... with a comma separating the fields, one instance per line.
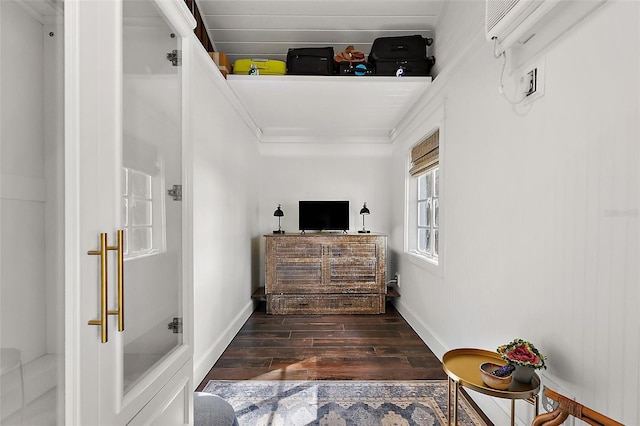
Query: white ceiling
x=327, y=109
x=312, y=109
x=268, y=28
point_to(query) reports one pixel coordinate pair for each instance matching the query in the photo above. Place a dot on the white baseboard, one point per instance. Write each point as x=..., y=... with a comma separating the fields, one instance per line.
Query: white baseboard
x=421, y=328
x=202, y=366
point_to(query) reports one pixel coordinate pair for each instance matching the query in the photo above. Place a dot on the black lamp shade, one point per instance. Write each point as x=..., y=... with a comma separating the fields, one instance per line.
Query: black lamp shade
x=364, y=209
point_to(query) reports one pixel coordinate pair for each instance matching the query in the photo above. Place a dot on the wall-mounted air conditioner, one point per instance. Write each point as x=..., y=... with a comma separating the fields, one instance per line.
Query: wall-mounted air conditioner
x=511, y=21
x=533, y=24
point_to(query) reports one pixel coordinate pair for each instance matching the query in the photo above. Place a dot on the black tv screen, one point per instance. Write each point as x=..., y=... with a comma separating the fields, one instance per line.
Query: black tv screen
x=323, y=215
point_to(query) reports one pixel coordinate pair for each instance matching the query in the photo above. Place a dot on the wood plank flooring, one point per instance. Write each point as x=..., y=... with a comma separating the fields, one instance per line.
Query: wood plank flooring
x=326, y=347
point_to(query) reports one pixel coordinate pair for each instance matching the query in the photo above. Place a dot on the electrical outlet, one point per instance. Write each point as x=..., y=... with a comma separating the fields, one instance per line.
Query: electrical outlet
x=532, y=81
x=397, y=278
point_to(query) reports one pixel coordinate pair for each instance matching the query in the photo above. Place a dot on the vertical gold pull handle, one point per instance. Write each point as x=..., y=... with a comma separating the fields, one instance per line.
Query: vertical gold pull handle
x=102, y=322
x=120, y=251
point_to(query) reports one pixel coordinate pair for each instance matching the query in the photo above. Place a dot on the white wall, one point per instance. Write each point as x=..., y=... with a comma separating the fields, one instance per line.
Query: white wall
x=539, y=211
x=287, y=180
x=225, y=213
x=358, y=179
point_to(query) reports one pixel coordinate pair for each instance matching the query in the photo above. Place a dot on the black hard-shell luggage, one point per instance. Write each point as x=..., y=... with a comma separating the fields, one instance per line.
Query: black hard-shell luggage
x=358, y=69
x=310, y=61
x=399, y=48
x=400, y=68
x=403, y=55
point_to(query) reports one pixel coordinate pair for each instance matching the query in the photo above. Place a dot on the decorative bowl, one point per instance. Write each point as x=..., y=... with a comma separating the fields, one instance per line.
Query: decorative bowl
x=495, y=382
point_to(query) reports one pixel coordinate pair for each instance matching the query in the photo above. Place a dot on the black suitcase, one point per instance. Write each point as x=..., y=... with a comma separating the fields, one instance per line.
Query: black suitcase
x=310, y=61
x=401, y=68
x=399, y=48
x=356, y=68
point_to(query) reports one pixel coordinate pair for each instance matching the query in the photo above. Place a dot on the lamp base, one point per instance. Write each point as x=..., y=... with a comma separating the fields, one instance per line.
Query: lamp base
x=279, y=231
x=364, y=231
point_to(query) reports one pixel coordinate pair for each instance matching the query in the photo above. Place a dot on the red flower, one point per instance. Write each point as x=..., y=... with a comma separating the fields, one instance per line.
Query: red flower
x=523, y=354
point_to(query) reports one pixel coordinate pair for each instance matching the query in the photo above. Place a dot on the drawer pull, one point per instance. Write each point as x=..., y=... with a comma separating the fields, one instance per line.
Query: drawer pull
x=303, y=304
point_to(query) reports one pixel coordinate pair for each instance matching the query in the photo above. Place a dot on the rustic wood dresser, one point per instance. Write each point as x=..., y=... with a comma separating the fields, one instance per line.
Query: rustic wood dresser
x=325, y=273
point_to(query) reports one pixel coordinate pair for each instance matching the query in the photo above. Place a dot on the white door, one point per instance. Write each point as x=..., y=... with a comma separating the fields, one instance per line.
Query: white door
x=128, y=314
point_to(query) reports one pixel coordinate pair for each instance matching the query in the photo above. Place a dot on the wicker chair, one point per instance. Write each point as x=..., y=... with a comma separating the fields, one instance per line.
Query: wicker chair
x=567, y=407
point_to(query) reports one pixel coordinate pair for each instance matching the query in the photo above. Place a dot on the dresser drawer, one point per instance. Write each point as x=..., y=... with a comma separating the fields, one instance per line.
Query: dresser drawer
x=325, y=304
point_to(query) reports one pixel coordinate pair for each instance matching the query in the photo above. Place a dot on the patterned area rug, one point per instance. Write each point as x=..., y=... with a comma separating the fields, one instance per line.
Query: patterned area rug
x=341, y=403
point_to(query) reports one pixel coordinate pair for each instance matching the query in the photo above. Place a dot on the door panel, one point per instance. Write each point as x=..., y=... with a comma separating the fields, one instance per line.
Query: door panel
x=152, y=164
x=124, y=114
x=173, y=405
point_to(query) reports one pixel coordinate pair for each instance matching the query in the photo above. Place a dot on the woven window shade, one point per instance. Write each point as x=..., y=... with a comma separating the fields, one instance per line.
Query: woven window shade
x=425, y=155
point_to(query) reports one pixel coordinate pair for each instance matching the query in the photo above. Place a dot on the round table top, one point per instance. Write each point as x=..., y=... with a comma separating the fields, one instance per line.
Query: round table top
x=463, y=366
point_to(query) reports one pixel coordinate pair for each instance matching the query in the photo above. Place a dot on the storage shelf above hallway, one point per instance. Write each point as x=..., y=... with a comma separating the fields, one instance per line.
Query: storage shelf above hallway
x=327, y=109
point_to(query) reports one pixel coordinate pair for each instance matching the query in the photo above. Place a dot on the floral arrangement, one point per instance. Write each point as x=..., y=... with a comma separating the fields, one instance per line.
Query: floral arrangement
x=521, y=352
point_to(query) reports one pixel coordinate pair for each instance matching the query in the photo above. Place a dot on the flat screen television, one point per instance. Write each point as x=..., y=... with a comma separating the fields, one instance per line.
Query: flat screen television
x=323, y=215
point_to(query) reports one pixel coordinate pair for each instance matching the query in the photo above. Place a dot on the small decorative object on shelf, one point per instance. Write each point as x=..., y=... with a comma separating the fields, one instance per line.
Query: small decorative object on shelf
x=278, y=213
x=496, y=376
x=524, y=356
x=504, y=371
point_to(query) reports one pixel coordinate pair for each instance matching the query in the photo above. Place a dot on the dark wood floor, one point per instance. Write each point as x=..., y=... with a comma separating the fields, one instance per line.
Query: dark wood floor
x=326, y=347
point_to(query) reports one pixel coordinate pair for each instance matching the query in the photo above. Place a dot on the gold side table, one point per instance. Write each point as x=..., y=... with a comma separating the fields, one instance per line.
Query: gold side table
x=463, y=370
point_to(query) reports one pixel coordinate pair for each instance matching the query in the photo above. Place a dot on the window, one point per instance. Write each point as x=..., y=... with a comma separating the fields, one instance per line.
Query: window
x=143, y=200
x=142, y=213
x=423, y=200
x=428, y=214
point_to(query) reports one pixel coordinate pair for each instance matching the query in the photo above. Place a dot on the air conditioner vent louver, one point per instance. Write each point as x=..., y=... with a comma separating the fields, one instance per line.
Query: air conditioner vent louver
x=496, y=10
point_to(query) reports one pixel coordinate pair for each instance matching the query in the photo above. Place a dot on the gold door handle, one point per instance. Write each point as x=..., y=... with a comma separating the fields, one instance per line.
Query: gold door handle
x=120, y=251
x=104, y=282
x=102, y=322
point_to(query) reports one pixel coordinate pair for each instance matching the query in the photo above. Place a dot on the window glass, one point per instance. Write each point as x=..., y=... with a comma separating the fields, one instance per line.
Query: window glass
x=141, y=213
x=140, y=184
x=422, y=188
x=141, y=203
x=422, y=213
x=427, y=218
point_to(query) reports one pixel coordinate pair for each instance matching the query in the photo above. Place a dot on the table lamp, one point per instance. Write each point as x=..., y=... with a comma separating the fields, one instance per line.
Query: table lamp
x=364, y=211
x=278, y=213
